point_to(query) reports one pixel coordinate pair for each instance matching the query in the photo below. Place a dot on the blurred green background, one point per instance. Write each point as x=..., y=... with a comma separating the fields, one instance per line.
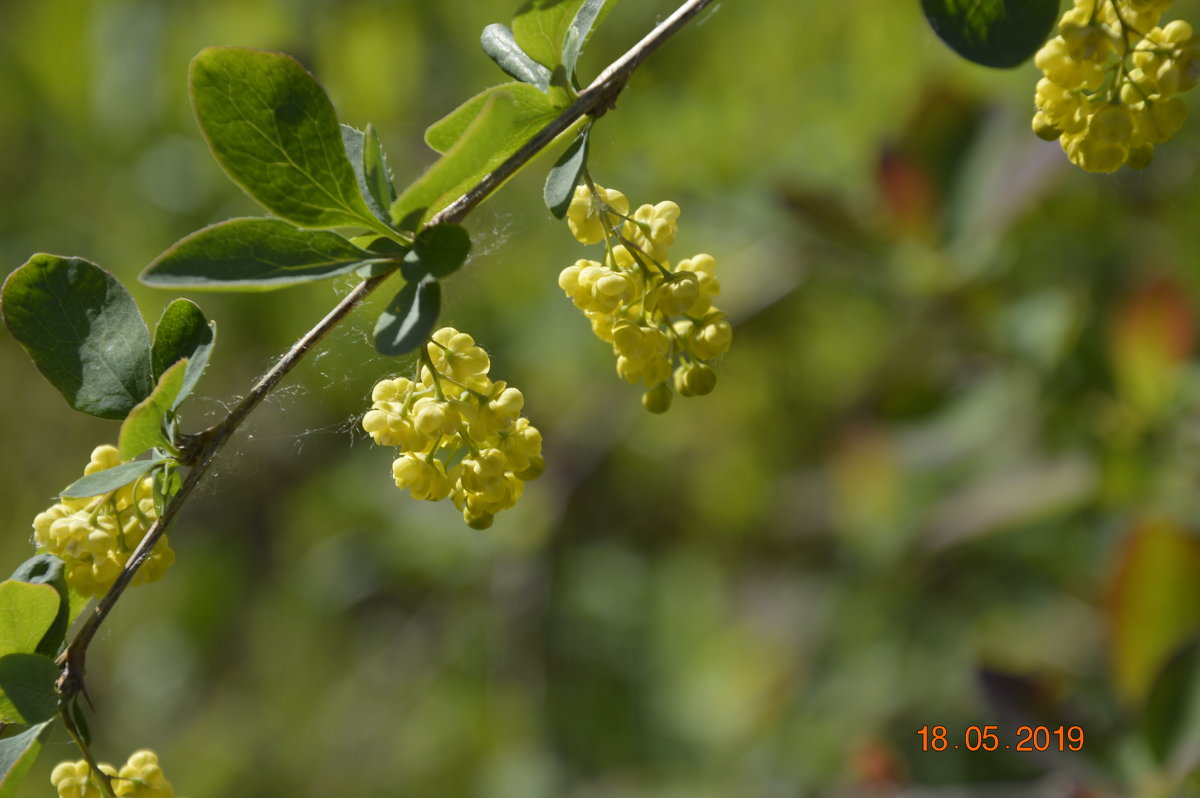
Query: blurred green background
x=948, y=476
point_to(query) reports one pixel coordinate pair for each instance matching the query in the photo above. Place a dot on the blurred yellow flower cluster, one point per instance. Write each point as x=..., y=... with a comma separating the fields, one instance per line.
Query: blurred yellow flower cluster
x=140, y=777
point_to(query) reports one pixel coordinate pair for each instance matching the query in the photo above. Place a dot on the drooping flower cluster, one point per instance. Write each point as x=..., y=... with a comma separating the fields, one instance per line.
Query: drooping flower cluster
x=458, y=433
x=659, y=319
x=1111, y=76
x=140, y=777
x=94, y=536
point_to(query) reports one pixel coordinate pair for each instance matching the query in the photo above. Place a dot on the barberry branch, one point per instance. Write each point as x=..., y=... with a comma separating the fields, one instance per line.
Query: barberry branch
x=201, y=450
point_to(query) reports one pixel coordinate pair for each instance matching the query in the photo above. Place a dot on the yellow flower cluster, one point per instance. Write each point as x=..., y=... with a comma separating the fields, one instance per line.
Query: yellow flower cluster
x=459, y=434
x=1111, y=76
x=660, y=321
x=141, y=777
x=94, y=536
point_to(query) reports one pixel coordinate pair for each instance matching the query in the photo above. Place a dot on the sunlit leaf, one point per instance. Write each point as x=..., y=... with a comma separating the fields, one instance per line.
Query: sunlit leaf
x=143, y=428
x=540, y=29
x=507, y=118
x=531, y=108
x=253, y=255
x=46, y=569
x=26, y=613
x=275, y=133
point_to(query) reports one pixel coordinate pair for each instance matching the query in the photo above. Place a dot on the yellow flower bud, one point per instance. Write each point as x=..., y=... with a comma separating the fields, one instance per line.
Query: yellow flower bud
x=657, y=399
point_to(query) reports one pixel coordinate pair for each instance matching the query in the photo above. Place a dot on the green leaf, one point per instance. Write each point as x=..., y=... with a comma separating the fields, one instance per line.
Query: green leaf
x=438, y=251
x=565, y=174
x=80, y=719
x=46, y=569
x=383, y=246
x=1171, y=721
x=375, y=170
x=253, y=255
x=183, y=332
x=145, y=427
x=498, y=42
x=28, y=685
x=17, y=755
x=540, y=28
x=375, y=194
x=84, y=332
x=591, y=14
x=994, y=33
x=531, y=108
x=275, y=133
x=26, y=614
x=409, y=318
x=508, y=117
x=109, y=478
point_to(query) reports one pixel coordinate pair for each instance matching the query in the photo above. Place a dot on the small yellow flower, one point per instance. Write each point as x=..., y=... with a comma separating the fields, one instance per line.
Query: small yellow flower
x=140, y=777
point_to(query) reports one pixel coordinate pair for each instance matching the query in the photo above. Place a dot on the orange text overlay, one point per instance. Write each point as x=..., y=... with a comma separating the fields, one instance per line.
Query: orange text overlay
x=991, y=738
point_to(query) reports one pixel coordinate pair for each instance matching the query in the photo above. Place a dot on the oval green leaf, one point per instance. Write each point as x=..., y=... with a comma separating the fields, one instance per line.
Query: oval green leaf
x=145, y=427
x=481, y=134
x=540, y=29
x=994, y=33
x=409, y=318
x=373, y=185
x=438, y=251
x=84, y=332
x=530, y=108
x=26, y=614
x=27, y=682
x=376, y=171
x=253, y=255
x=17, y=755
x=500, y=45
x=275, y=133
x=183, y=332
x=565, y=174
x=46, y=569
x=591, y=14
x=109, y=479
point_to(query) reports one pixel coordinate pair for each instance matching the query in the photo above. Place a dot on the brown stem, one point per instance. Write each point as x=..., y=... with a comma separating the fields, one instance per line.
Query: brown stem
x=201, y=450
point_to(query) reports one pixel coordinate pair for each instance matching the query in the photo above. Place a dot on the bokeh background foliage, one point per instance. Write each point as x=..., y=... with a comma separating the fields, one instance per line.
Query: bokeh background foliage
x=948, y=476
